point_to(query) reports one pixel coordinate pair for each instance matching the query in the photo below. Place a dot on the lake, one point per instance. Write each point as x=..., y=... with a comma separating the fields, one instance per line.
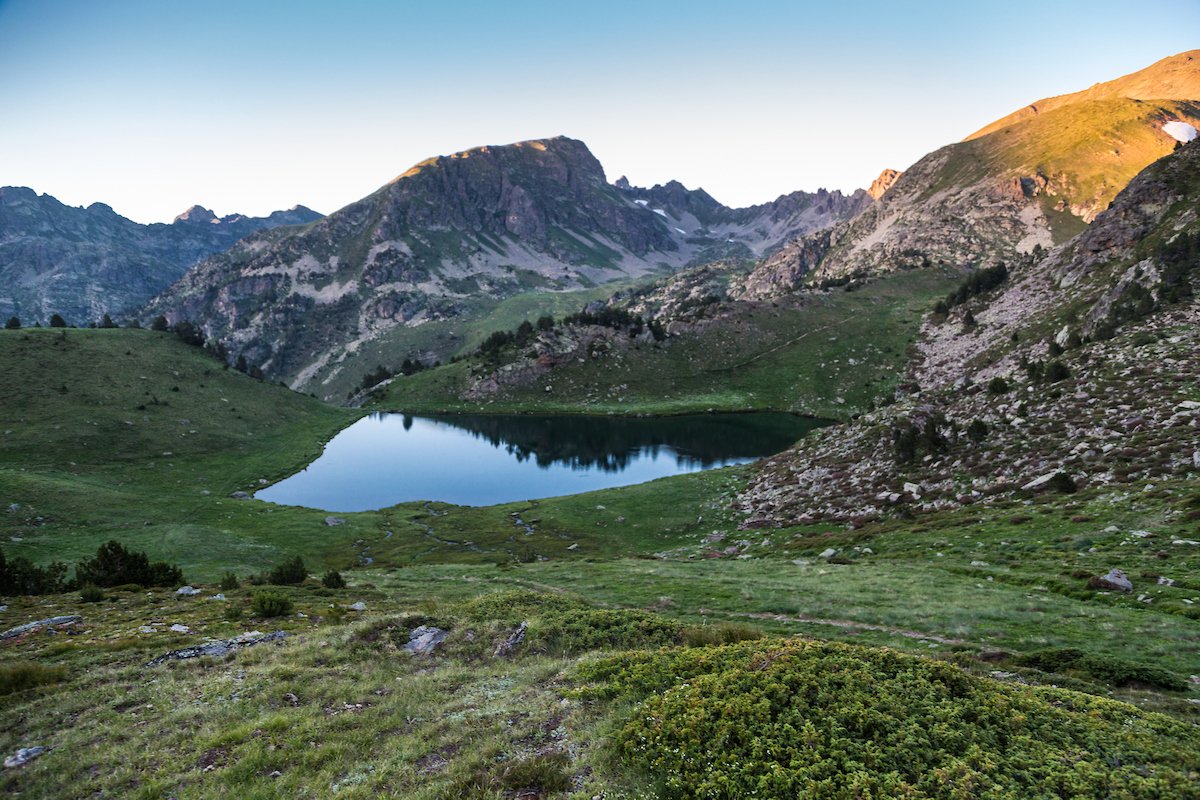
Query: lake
x=484, y=459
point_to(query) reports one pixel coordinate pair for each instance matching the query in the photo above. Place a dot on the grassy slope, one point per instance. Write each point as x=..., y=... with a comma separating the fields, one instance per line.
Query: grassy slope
x=974, y=587
x=1096, y=146
x=449, y=337
x=763, y=357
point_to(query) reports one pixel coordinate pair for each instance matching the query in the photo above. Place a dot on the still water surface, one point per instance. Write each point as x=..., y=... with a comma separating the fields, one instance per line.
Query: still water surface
x=478, y=460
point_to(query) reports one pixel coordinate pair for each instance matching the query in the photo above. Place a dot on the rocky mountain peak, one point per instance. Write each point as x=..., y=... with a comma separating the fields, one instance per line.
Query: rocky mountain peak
x=197, y=215
x=883, y=183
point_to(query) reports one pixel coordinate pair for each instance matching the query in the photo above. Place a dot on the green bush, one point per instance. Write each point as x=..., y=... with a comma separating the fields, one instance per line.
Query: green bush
x=90, y=593
x=113, y=565
x=977, y=430
x=1062, y=483
x=22, y=675
x=720, y=633
x=229, y=582
x=288, y=573
x=564, y=625
x=1104, y=668
x=333, y=580
x=997, y=385
x=269, y=603
x=784, y=719
x=21, y=576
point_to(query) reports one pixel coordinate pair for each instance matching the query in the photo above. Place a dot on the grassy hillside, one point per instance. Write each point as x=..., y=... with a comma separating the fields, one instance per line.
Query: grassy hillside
x=824, y=355
x=948, y=633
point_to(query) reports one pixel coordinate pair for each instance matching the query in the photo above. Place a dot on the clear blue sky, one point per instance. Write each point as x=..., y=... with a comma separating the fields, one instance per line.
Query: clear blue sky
x=153, y=105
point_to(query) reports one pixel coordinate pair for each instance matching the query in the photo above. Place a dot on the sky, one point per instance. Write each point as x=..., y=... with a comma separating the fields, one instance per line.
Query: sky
x=152, y=106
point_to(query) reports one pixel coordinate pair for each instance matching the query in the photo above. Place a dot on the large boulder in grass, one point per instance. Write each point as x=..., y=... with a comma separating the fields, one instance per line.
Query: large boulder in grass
x=1115, y=580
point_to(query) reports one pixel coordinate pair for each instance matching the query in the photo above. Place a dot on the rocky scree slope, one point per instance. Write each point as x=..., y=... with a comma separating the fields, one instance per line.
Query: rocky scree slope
x=487, y=223
x=1028, y=180
x=1083, y=363
x=85, y=262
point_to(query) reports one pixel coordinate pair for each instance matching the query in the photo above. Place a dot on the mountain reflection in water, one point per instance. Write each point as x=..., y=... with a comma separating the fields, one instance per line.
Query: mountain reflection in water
x=482, y=459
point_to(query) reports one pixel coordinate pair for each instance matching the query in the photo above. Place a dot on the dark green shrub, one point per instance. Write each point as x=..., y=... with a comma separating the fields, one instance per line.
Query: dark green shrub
x=270, y=603
x=229, y=582
x=333, y=580
x=90, y=593
x=22, y=675
x=113, y=565
x=56, y=321
x=1062, y=483
x=977, y=430
x=14, y=323
x=997, y=385
x=288, y=573
x=21, y=576
x=1105, y=668
x=233, y=611
x=160, y=324
x=1056, y=371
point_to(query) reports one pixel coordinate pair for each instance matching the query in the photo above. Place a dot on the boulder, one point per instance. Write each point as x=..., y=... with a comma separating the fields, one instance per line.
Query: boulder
x=187, y=591
x=51, y=622
x=24, y=755
x=331, y=521
x=218, y=648
x=425, y=639
x=1115, y=580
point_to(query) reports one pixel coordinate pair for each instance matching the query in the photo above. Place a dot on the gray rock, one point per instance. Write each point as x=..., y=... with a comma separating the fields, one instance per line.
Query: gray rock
x=331, y=521
x=218, y=648
x=359, y=606
x=425, y=640
x=1116, y=580
x=14, y=508
x=513, y=641
x=240, y=496
x=24, y=756
x=828, y=552
x=187, y=591
x=51, y=622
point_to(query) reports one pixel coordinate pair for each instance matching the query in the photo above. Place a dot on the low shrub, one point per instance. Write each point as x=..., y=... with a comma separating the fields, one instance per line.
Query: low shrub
x=271, y=604
x=823, y=720
x=720, y=633
x=114, y=565
x=333, y=580
x=289, y=573
x=1104, y=668
x=20, y=676
x=90, y=593
x=562, y=625
x=21, y=576
x=229, y=582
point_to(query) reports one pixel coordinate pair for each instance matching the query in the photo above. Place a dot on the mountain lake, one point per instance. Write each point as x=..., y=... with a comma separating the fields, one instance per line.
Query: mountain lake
x=484, y=459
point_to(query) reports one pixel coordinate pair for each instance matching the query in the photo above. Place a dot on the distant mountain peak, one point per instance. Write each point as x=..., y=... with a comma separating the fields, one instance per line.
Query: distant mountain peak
x=197, y=214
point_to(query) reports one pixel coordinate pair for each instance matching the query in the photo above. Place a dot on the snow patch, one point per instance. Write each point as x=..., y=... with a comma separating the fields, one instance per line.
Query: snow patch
x=642, y=203
x=659, y=211
x=1180, y=131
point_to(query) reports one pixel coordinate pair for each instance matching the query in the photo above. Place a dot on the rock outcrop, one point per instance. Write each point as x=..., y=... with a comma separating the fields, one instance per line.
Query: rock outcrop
x=1066, y=376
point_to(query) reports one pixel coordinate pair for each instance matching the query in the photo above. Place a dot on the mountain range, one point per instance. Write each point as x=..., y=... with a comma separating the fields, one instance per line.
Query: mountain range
x=483, y=224
x=82, y=263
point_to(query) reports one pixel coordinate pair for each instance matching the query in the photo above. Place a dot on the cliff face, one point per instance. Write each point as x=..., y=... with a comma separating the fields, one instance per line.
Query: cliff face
x=1080, y=362
x=85, y=262
x=483, y=224
x=1029, y=180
